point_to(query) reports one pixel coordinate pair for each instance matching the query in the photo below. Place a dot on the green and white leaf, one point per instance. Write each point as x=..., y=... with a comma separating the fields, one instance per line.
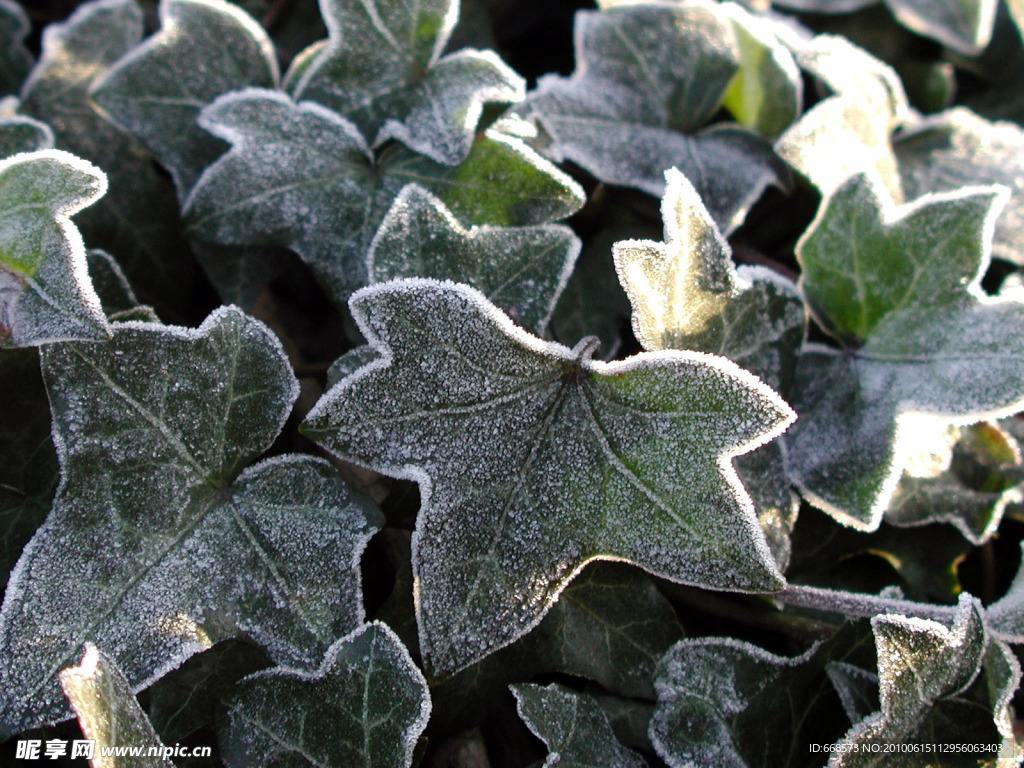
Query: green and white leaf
x=899, y=289
x=108, y=712
x=28, y=462
x=945, y=152
x=138, y=220
x=848, y=132
x=649, y=78
x=23, y=134
x=574, y=728
x=766, y=93
x=108, y=280
x=155, y=91
x=922, y=666
x=522, y=270
x=15, y=59
x=301, y=177
x=382, y=69
x=45, y=291
x=558, y=460
x=365, y=707
x=159, y=544
x=967, y=480
x=719, y=701
x=687, y=294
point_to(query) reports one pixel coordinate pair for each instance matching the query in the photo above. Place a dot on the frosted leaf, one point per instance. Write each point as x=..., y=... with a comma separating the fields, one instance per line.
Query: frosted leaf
x=686, y=294
x=382, y=69
x=156, y=546
x=350, y=362
x=849, y=132
x=922, y=666
x=610, y=625
x=766, y=93
x=301, y=177
x=28, y=463
x=108, y=280
x=944, y=152
x=723, y=703
x=45, y=292
x=899, y=288
x=534, y=460
x=857, y=689
x=15, y=59
x=963, y=25
x=981, y=477
x=522, y=270
x=648, y=80
x=574, y=728
x=1002, y=678
x=204, y=48
x=137, y=220
x=23, y=134
x=365, y=707
x=108, y=712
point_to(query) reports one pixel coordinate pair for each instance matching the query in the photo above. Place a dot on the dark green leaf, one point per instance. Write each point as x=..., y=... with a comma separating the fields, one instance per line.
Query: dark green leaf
x=137, y=221
x=300, y=176
x=45, y=292
x=574, y=728
x=557, y=459
x=109, y=282
x=156, y=91
x=522, y=270
x=23, y=134
x=107, y=711
x=722, y=702
x=156, y=546
x=924, y=346
x=382, y=69
x=365, y=707
x=648, y=80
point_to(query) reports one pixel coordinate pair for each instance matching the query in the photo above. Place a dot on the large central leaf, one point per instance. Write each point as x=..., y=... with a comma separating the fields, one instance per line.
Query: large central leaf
x=156, y=546
x=535, y=460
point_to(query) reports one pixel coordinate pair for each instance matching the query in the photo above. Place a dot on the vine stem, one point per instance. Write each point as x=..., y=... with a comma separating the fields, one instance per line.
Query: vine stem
x=859, y=604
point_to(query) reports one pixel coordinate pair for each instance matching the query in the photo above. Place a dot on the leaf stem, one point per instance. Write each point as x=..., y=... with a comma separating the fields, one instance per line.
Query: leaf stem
x=861, y=604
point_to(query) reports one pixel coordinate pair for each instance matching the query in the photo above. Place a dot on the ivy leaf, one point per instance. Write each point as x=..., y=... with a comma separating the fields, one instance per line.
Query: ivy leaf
x=520, y=269
x=155, y=91
x=648, y=79
x=848, y=132
x=107, y=711
x=28, y=463
x=137, y=221
x=718, y=701
x=957, y=148
x=301, y=177
x=382, y=69
x=574, y=728
x=899, y=288
x=766, y=92
x=921, y=666
x=557, y=459
x=15, y=59
x=109, y=282
x=46, y=293
x=365, y=707
x=153, y=430
x=970, y=485
x=686, y=294
x=23, y=134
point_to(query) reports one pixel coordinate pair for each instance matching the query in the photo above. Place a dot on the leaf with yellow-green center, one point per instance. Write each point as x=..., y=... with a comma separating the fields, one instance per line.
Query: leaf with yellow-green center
x=45, y=291
x=922, y=345
x=109, y=714
x=534, y=460
x=686, y=294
